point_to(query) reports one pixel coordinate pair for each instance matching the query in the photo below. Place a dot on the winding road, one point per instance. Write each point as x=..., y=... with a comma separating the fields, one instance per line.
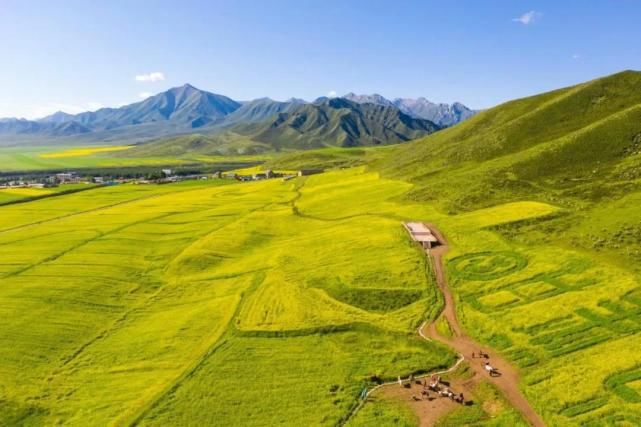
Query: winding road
x=507, y=381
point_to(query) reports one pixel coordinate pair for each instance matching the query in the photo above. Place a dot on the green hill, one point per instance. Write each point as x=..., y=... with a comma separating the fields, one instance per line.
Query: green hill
x=582, y=140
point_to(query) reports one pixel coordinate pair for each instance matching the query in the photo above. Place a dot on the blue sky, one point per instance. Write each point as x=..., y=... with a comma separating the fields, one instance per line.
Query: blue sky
x=79, y=55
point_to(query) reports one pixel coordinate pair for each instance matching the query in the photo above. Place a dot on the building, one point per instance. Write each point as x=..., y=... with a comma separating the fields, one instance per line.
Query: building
x=263, y=175
x=422, y=234
x=66, y=177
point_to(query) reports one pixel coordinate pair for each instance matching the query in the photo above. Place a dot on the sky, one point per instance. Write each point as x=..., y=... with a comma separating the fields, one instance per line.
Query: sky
x=82, y=55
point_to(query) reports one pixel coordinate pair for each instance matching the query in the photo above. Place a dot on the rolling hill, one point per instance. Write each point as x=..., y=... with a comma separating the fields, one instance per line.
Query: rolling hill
x=582, y=140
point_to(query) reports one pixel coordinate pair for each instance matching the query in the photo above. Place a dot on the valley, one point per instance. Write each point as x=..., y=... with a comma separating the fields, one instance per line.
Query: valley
x=220, y=302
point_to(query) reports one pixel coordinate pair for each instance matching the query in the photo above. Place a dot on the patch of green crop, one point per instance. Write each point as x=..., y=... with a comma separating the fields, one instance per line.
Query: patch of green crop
x=619, y=383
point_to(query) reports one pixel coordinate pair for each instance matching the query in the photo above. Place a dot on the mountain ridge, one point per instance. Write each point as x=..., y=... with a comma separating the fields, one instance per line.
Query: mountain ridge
x=186, y=109
x=444, y=115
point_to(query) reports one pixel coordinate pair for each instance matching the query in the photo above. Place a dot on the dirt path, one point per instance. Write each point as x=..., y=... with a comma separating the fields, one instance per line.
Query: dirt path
x=508, y=380
x=429, y=411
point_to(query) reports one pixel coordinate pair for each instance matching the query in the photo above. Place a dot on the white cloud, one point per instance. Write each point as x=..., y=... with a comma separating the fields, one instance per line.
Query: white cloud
x=576, y=56
x=144, y=95
x=332, y=94
x=156, y=76
x=528, y=17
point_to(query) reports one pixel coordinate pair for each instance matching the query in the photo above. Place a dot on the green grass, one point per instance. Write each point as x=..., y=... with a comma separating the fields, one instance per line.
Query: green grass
x=383, y=412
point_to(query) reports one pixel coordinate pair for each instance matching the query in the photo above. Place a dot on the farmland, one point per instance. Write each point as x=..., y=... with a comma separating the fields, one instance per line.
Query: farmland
x=250, y=295
x=64, y=157
x=148, y=303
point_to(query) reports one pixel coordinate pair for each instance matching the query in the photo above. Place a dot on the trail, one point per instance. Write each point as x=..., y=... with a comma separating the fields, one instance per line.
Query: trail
x=508, y=380
x=429, y=411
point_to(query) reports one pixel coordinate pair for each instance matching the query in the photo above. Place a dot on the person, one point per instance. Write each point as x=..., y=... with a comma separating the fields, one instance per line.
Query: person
x=400, y=381
x=490, y=370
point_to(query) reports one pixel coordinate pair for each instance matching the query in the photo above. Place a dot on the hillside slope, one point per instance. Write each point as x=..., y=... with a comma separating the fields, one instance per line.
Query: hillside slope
x=578, y=140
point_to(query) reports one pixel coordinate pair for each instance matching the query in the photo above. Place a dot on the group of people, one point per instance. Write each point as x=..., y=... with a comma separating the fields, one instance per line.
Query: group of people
x=434, y=385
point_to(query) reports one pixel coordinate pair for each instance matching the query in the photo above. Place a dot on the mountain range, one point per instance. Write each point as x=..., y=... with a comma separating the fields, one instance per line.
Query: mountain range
x=444, y=115
x=351, y=120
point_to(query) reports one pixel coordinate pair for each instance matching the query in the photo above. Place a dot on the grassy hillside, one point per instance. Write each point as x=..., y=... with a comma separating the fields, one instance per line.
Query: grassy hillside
x=578, y=143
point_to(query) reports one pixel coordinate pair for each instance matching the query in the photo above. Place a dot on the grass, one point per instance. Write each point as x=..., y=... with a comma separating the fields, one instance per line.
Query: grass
x=384, y=413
